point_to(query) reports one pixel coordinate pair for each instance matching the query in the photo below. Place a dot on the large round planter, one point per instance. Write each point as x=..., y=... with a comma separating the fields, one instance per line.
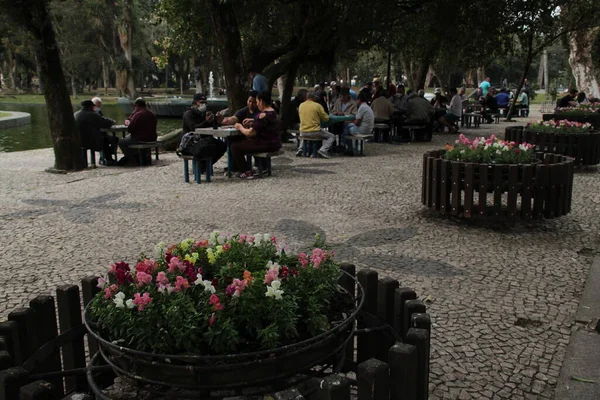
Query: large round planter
x=584, y=148
x=486, y=191
x=202, y=373
x=592, y=118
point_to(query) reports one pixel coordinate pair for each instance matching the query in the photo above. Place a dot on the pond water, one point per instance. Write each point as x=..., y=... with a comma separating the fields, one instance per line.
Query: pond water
x=37, y=134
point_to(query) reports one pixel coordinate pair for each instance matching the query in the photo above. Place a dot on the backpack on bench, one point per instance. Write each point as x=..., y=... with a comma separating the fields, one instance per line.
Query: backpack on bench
x=201, y=147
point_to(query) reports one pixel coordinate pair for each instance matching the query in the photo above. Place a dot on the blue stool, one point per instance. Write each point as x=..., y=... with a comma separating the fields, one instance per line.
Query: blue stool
x=197, y=168
x=311, y=146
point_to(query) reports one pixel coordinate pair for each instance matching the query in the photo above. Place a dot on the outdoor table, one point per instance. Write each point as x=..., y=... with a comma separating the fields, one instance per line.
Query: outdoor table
x=222, y=133
x=335, y=119
x=116, y=128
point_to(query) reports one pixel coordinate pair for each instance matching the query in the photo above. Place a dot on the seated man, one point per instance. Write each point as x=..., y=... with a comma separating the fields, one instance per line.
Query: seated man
x=454, y=112
x=363, y=124
x=197, y=116
x=344, y=105
x=503, y=98
x=490, y=106
x=141, y=126
x=383, y=109
x=295, y=105
x=566, y=101
x=311, y=116
x=246, y=115
x=439, y=103
x=400, y=102
x=88, y=124
x=523, y=102
x=419, y=111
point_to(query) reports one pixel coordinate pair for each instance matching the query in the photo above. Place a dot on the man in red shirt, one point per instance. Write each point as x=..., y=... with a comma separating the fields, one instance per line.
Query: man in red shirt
x=142, y=128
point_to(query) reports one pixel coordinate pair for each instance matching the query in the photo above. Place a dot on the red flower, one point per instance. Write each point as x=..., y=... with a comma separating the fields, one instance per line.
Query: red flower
x=294, y=272
x=215, y=282
x=285, y=271
x=190, y=272
x=168, y=257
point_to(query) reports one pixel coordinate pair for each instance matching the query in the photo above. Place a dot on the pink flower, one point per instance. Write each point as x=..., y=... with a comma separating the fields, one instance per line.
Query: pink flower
x=216, y=302
x=142, y=301
x=250, y=239
x=107, y=293
x=273, y=239
x=143, y=278
x=175, y=264
x=162, y=279
x=271, y=275
x=148, y=266
x=317, y=257
x=101, y=283
x=236, y=288
x=242, y=239
x=181, y=283
x=226, y=246
x=212, y=319
x=201, y=243
x=303, y=258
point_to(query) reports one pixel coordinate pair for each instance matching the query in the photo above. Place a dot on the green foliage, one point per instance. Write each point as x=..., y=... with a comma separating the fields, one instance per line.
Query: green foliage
x=262, y=299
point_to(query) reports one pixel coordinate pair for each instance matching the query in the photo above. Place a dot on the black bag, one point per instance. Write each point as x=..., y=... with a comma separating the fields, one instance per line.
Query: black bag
x=201, y=146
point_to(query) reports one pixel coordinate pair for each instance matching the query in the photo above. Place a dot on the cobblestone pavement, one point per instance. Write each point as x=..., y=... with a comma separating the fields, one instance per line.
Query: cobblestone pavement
x=503, y=297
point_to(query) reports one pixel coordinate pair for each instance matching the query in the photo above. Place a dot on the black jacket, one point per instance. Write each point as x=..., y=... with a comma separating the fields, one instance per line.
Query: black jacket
x=193, y=119
x=89, y=124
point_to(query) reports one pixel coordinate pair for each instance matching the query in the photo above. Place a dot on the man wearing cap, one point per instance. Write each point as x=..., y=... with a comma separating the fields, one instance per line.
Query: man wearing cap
x=196, y=116
x=89, y=125
x=141, y=126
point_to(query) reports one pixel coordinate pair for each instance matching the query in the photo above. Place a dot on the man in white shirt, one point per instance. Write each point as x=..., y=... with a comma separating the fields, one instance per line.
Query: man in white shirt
x=454, y=112
x=362, y=124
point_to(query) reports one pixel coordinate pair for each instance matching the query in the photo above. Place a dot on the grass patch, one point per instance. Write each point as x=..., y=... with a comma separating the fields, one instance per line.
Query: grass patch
x=4, y=114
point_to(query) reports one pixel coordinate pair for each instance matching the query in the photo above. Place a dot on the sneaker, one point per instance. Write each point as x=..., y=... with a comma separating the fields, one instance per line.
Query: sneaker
x=299, y=153
x=323, y=154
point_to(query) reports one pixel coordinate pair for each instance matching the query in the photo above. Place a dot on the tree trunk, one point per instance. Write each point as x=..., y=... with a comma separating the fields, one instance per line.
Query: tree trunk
x=105, y=76
x=429, y=77
x=65, y=138
x=125, y=35
x=528, y=60
x=580, y=58
x=480, y=75
x=225, y=24
x=286, y=97
x=73, y=86
x=281, y=82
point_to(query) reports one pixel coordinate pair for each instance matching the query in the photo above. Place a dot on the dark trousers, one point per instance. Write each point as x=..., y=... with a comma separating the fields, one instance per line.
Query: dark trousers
x=124, y=146
x=241, y=148
x=109, y=146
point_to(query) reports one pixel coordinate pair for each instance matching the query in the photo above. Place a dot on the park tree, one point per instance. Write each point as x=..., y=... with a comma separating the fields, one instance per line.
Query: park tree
x=34, y=16
x=581, y=50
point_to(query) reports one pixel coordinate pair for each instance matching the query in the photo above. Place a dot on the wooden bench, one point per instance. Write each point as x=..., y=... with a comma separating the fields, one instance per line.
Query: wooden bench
x=145, y=157
x=472, y=119
x=360, y=139
x=379, y=129
x=196, y=168
x=414, y=129
x=496, y=117
x=310, y=145
x=263, y=161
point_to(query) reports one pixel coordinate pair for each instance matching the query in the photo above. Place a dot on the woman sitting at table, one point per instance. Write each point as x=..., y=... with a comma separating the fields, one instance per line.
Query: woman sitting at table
x=263, y=136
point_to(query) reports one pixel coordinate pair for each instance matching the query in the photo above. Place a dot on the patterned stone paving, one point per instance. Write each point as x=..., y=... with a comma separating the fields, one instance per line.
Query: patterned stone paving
x=502, y=297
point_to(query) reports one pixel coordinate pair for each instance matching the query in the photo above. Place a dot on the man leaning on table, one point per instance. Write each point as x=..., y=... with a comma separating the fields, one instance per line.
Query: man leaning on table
x=362, y=124
x=311, y=115
x=244, y=116
x=141, y=126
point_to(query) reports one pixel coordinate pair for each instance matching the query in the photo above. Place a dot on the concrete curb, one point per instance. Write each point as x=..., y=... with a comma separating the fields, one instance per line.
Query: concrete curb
x=582, y=359
x=15, y=119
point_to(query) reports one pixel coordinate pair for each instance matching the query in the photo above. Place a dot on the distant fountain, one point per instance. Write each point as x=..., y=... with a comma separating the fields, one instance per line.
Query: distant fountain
x=211, y=82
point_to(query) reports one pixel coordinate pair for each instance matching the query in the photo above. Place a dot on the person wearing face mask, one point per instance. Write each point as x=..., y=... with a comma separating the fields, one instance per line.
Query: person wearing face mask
x=197, y=116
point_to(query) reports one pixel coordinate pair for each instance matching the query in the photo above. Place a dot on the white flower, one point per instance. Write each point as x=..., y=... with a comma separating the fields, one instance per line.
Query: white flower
x=213, y=238
x=267, y=237
x=271, y=265
x=258, y=238
x=498, y=152
x=129, y=303
x=160, y=248
x=274, y=291
x=119, y=300
x=208, y=286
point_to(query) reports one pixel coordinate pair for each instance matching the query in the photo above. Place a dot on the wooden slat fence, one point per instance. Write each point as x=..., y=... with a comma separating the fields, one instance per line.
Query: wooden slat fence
x=584, y=148
x=390, y=357
x=480, y=191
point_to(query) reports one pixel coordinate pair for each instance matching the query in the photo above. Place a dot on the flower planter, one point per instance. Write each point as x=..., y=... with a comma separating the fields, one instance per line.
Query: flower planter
x=209, y=372
x=485, y=191
x=584, y=148
x=592, y=118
